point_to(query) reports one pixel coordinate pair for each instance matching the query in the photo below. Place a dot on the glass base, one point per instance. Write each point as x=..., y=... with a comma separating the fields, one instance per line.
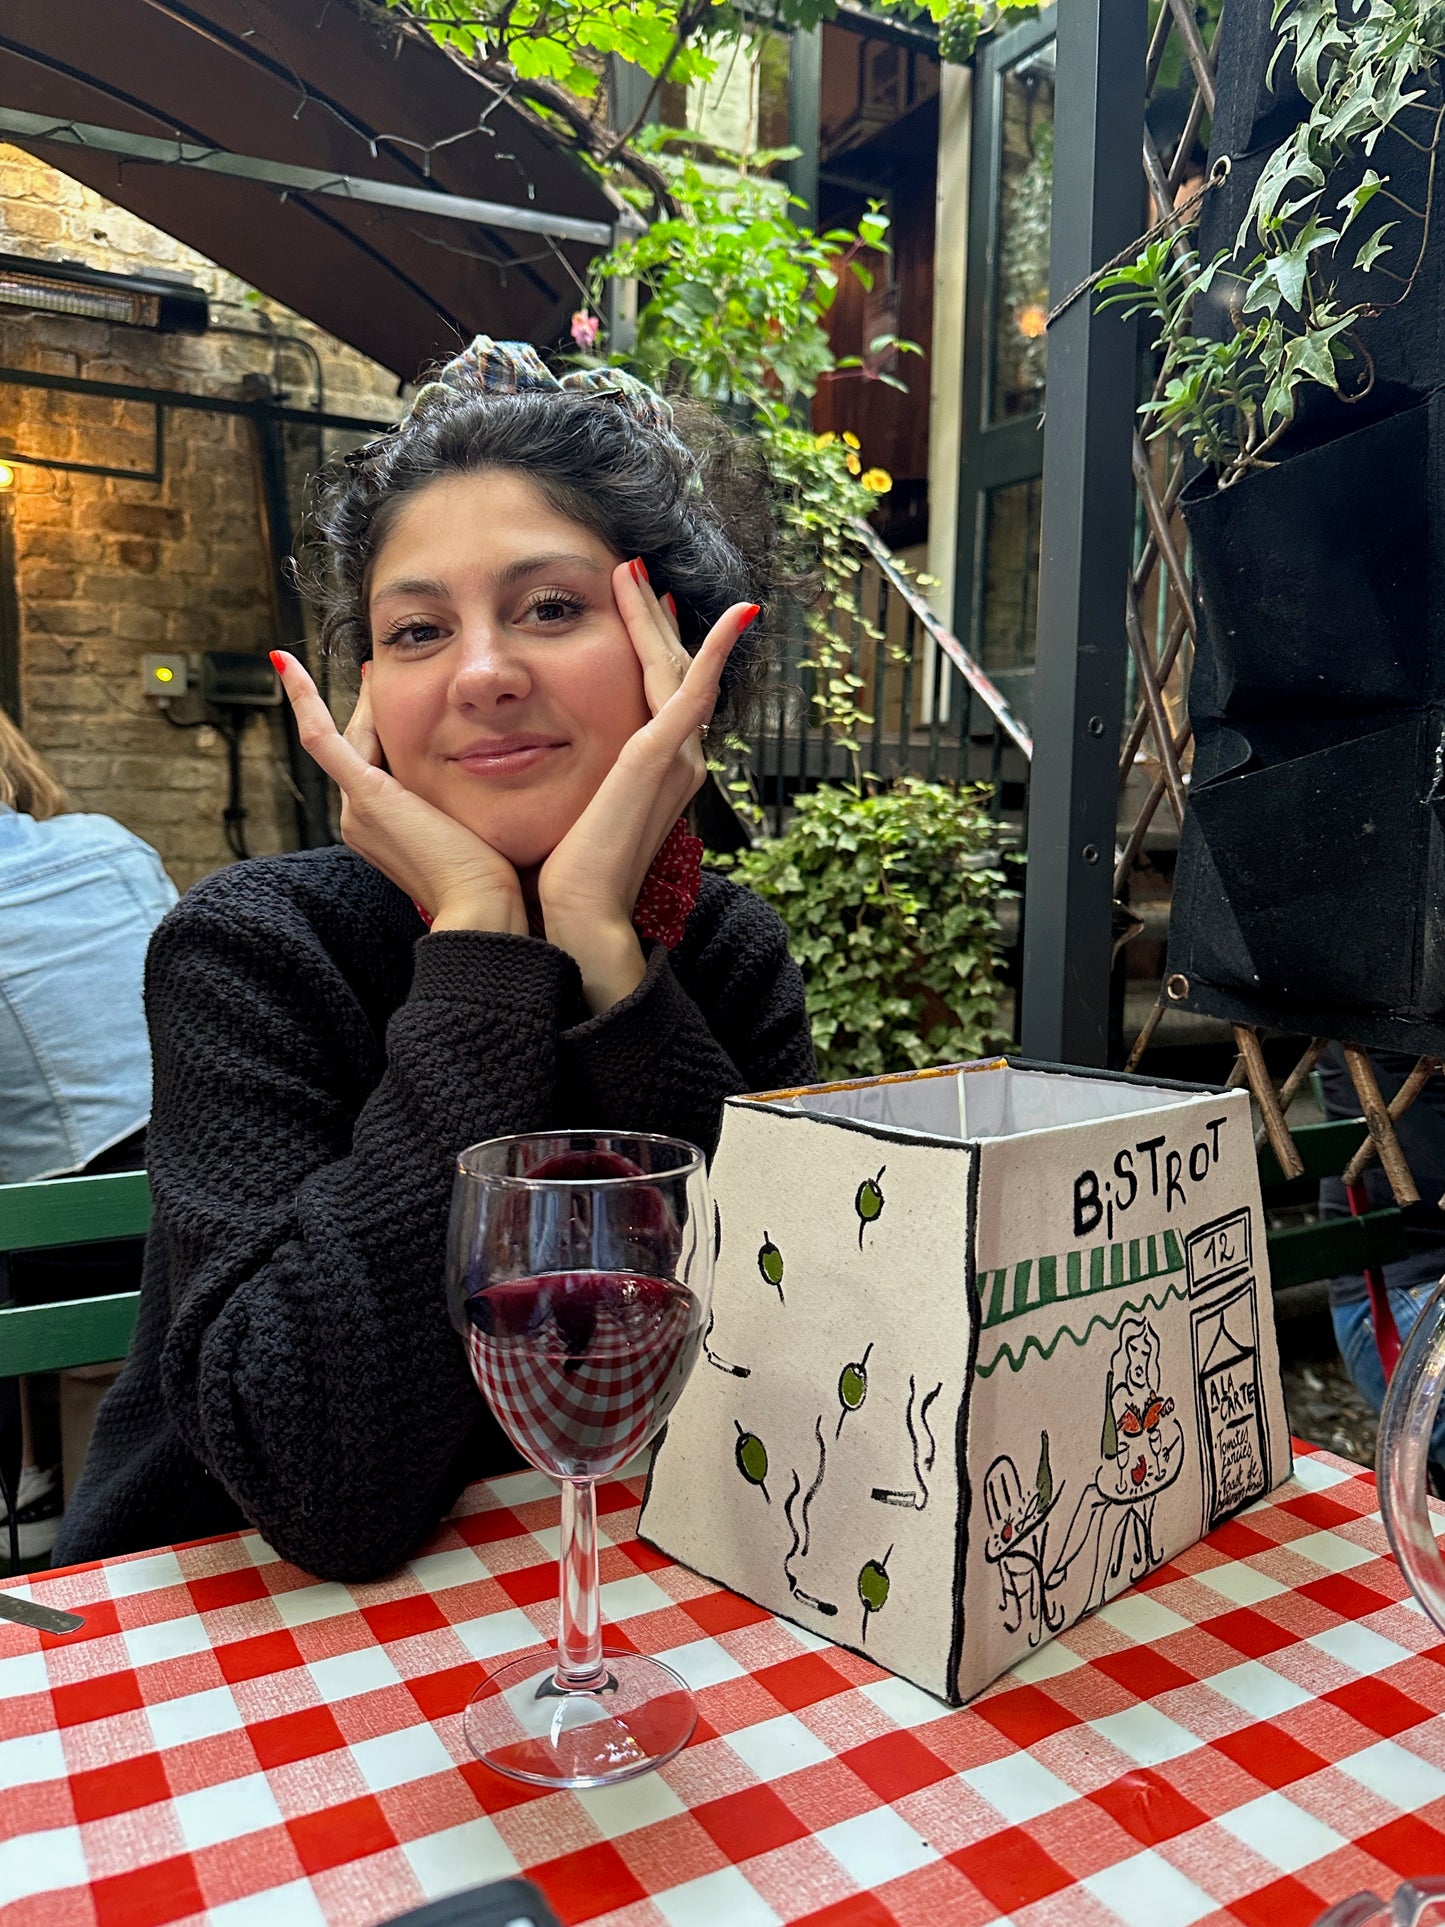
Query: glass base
x=521, y=1723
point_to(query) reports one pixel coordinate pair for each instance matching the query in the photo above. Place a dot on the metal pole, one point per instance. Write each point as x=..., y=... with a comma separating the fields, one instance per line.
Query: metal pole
x=1087, y=526
x=9, y=616
x=313, y=817
x=147, y=148
x=805, y=84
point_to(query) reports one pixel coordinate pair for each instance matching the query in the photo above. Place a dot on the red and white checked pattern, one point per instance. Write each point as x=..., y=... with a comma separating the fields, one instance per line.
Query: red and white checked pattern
x=587, y=1413
x=1251, y=1735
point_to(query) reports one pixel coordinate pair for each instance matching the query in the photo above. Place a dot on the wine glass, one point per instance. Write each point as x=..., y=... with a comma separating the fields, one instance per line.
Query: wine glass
x=1402, y=1456
x=579, y=1272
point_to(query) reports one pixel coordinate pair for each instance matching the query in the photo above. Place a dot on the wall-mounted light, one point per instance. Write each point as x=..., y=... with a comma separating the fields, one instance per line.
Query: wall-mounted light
x=132, y=300
x=7, y=477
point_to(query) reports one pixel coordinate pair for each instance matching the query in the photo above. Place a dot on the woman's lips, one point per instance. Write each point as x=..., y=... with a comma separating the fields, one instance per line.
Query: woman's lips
x=506, y=759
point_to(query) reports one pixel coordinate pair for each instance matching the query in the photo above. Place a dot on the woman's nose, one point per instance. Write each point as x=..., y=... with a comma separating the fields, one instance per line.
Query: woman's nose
x=488, y=667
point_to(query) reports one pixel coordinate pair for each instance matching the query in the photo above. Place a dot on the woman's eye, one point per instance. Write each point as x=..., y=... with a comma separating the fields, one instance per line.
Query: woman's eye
x=412, y=635
x=549, y=610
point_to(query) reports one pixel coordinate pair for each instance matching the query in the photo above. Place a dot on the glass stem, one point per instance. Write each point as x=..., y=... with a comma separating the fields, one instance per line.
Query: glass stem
x=579, y=1637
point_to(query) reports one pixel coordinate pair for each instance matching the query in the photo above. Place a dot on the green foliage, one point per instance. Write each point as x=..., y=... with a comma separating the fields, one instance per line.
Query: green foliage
x=737, y=288
x=565, y=41
x=963, y=23
x=820, y=504
x=890, y=905
x=736, y=294
x=1362, y=67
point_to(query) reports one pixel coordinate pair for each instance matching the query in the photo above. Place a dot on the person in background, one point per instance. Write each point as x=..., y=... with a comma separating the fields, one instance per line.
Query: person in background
x=79, y=897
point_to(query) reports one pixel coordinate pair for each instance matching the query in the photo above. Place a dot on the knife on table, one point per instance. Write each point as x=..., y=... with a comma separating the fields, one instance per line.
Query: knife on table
x=42, y=1619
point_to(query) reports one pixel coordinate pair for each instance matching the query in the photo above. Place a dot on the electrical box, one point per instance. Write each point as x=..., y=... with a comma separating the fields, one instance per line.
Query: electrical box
x=233, y=679
x=165, y=677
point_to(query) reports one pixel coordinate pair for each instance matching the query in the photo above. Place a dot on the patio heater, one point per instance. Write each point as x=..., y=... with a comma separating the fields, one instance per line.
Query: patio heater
x=164, y=303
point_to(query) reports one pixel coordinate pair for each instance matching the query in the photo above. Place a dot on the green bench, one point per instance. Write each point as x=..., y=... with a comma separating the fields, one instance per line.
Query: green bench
x=80, y=1331
x=70, y=1211
x=1299, y=1254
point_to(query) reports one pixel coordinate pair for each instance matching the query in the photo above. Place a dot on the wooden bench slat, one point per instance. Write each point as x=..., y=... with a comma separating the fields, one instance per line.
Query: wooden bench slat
x=1301, y=1254
x=1325, y=1150
x=76, y=1331
x=74, y=1211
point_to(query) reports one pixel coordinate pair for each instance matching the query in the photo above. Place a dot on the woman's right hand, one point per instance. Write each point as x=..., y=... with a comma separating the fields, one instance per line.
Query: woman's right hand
x=460, y=881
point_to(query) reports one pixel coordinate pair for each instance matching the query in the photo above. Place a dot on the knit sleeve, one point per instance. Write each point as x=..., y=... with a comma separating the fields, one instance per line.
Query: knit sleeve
x=656, y=1060
x=301, y=1186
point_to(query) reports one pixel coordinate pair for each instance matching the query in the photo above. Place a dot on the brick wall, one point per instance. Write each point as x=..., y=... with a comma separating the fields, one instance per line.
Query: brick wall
x=109, y=569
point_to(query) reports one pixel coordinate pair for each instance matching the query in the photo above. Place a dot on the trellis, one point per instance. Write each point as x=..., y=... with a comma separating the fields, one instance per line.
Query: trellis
x=1160, y=630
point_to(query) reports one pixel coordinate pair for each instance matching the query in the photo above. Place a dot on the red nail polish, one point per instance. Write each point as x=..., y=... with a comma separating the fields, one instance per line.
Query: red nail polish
x=278, y=662
x=639, y=569
x=671, y=600
x=750, y=616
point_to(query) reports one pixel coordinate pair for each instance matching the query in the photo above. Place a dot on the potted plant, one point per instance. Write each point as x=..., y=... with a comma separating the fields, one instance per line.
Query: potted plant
x=1301, y=368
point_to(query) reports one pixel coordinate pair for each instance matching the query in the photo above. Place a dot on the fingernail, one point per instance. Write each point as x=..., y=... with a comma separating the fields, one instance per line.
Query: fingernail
x=671, y=600
x=639, y=569
x=750, y=616
x=278, y=662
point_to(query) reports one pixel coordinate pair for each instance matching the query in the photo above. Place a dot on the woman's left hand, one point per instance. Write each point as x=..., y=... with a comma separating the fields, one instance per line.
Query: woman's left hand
x=589, y=884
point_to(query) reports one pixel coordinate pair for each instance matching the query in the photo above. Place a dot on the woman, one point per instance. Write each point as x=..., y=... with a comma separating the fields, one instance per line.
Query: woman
x=79, y=897
x=331, y=1028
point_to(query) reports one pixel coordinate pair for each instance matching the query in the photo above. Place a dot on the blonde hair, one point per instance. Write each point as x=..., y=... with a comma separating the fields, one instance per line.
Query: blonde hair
x=26, y=780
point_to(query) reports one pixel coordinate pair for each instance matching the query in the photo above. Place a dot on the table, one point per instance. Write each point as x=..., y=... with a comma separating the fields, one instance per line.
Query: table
x=1251, y=1734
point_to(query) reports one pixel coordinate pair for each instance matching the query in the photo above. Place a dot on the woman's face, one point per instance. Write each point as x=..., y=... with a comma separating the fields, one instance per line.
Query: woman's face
x=1136, y=1351
x=503, y=680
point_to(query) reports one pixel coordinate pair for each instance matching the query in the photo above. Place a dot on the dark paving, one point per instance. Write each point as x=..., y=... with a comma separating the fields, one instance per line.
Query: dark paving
x=1325, y=1409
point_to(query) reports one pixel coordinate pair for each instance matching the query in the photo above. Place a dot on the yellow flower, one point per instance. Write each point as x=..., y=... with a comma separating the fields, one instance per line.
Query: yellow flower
x=825, y=440
x=877, y=480
x=853, y=463
x=851, y=439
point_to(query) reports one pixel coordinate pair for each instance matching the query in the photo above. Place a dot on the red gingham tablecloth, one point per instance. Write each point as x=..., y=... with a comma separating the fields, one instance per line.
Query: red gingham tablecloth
x=1250, y=1735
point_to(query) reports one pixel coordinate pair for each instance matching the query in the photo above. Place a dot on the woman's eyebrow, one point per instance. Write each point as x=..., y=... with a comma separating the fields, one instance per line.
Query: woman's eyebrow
x=531, y=564
x=408, y=586
x=513, y=572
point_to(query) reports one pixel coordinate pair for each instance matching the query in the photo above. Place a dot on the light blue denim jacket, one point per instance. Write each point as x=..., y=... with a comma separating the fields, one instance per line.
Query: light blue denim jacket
x=79, y=897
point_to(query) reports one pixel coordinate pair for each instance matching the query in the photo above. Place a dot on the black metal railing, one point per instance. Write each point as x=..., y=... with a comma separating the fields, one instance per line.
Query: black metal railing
x=933, y=709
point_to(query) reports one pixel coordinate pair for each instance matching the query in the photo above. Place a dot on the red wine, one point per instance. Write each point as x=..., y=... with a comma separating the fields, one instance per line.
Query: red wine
x=582, y=1367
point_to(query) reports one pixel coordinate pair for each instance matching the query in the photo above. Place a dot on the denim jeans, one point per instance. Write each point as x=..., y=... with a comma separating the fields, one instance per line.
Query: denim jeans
x=1355, y=1335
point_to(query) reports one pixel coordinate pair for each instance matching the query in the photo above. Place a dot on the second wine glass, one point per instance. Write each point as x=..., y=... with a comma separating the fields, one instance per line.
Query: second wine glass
x=579, y=1274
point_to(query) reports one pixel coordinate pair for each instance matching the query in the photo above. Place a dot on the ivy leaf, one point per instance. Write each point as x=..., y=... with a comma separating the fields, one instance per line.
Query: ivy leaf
x=1359, y=198
x=1377, y=245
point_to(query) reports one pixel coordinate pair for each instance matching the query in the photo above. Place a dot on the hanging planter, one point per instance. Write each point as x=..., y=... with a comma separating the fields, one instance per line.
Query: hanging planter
x=1301, y=368
x=1310, y=888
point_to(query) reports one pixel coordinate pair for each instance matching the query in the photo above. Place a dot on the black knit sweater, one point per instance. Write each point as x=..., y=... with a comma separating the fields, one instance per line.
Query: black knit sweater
x=318, y=1064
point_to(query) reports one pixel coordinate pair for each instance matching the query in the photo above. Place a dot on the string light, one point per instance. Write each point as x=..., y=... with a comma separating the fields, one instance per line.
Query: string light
x=1033, y=321
x=7, y=476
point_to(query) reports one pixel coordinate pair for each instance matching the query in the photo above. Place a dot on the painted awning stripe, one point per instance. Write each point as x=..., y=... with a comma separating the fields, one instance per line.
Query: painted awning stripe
x=1012, y=1291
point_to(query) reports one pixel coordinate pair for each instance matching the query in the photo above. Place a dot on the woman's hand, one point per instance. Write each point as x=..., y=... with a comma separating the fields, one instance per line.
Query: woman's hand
x=589, y=884
x=452, y=874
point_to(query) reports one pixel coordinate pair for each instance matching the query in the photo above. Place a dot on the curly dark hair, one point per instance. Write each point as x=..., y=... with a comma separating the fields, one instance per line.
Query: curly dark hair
x=697, y=510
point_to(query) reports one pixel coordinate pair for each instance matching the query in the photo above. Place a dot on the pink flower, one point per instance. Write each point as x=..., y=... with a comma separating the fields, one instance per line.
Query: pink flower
x=585, y=329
